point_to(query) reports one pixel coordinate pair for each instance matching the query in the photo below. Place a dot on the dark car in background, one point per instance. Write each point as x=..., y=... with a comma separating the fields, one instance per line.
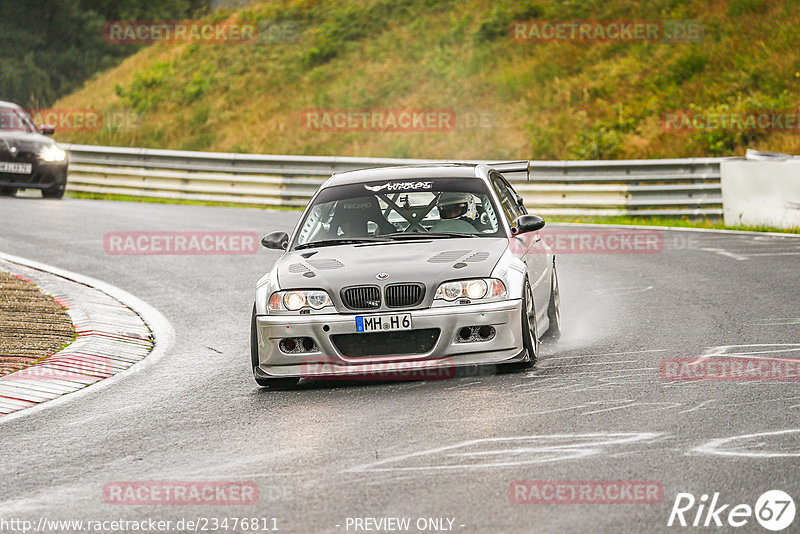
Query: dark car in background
x=29, y=159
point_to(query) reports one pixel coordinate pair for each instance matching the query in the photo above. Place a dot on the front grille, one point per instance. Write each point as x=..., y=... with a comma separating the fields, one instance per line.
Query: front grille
x=402, y=342
x=362, y=297
x=404, y=295
x=22, y=155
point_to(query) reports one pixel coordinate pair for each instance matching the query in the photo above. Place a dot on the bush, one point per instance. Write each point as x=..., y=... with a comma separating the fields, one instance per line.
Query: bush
x=597, y=142
x=349, y=23
x=497, y=23
x=738, y=8
x=200, y=82
x=721, y=141
x=689, y=65
x=146, y=89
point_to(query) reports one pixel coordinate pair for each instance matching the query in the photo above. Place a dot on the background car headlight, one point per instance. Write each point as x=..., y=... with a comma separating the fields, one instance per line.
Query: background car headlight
x=475, y=289
x=52, y=153
x=297, y=300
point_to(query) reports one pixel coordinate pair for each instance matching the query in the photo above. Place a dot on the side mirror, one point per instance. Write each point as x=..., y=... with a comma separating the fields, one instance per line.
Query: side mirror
x=47, y=129
x=276, y=240
x=527, y=223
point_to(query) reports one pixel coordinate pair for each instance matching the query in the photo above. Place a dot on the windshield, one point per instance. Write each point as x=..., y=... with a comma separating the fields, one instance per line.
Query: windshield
x=442, y=207
x=15, y=120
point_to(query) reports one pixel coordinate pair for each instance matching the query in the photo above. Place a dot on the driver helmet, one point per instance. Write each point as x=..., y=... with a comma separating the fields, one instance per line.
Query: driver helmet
x=453, y=205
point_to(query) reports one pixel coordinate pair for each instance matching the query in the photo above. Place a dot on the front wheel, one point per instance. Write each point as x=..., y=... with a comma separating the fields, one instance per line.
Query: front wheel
x=8, y=191
x=57, y=191
x=530, y=334
x=272, y=383
x=530, y=330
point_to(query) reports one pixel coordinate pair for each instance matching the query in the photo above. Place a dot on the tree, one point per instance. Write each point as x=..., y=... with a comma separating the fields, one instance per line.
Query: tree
x=48, y=49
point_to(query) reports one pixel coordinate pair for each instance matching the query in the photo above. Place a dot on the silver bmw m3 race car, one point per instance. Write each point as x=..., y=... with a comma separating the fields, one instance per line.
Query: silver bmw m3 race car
x=402, y=270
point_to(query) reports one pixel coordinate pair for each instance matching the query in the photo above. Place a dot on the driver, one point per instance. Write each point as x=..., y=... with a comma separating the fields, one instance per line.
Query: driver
x=454, y=209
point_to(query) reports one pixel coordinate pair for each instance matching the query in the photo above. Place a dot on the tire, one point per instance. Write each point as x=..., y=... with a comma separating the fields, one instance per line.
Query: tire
x=8, y=191
x=530, y=335
x=272, y=383
x=554, y=309
x=54, y=192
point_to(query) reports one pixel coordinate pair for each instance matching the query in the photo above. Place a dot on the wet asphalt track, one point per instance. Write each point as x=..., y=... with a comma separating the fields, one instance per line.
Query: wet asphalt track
x=595, y=407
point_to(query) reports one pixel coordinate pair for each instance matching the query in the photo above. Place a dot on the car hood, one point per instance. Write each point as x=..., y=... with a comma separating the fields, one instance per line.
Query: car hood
x=430, y=262
x=28, y=142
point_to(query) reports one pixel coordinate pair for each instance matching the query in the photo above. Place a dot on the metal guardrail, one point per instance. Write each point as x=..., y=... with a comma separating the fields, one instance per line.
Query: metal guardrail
x=583, y=188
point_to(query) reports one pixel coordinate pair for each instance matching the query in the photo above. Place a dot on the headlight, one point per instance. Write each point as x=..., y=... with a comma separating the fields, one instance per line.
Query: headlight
x=297, y=300
x=52, y=153
x=294, y=301
x=475, y=289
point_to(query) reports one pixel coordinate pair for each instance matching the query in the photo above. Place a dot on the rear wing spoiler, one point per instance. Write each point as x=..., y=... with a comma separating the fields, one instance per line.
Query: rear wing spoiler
x=513, y=170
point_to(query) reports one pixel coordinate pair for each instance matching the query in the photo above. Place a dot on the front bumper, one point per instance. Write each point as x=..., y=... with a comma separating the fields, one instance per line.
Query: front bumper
x=447, y=353
x=43, y=176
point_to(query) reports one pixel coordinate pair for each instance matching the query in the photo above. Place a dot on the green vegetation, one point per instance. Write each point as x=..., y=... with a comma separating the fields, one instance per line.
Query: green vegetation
x=541, y=100
x=50, y=47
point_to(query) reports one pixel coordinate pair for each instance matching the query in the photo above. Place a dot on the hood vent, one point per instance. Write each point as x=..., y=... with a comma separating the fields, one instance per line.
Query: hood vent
x=478, y=256
x=448, y=256
x=298, y=268
x=324, y=264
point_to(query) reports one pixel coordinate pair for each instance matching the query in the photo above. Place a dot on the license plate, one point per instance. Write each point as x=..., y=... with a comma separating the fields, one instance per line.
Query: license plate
x=16, y=168
x=383, y=323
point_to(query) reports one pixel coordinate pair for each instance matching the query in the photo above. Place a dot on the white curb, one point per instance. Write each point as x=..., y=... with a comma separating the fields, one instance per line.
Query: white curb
x=117, y=334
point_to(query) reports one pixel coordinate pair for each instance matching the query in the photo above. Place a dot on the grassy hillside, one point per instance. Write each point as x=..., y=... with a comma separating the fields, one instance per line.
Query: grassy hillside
x=551, y=100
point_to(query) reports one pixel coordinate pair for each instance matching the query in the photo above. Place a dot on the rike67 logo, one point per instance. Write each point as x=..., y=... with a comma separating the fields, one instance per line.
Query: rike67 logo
x=774, y=510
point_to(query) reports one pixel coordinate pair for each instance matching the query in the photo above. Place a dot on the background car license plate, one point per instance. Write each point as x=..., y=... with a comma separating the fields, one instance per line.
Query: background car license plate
x=16, y=168
x=383, y=323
